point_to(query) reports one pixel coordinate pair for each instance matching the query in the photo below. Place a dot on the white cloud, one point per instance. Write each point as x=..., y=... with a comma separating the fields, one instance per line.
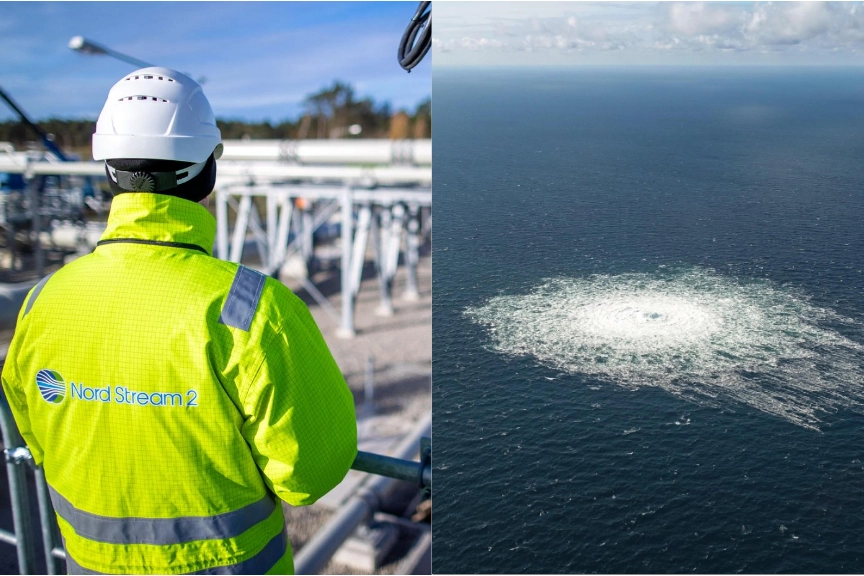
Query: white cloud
x=808, y=30
x=695, y=18
x=791, y=23
x=480, y=43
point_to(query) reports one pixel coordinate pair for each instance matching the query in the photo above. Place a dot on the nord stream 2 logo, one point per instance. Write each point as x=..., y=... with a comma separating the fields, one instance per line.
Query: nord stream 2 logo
x=53, y=389
x=51, y=386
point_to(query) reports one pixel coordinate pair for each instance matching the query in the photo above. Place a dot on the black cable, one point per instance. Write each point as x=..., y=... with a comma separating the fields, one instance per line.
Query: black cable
x=412, y=48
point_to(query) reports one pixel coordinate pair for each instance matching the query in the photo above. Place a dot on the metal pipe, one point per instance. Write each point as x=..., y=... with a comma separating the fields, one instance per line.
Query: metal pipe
x=385, y=308
x=86, y=46
x=46, y=520
x=358, y=257
x=243, y=172
x=307, y=232
x=381, y=465
x=18, y=492
x=221, y=224
x=412, y=253
x=36, y=223
x=379, y=196
x=346, y=329
x=369, y=387
x=367, y=151
x=8, y=537
x=358, y=509
x=286, y=214
x=240, y=224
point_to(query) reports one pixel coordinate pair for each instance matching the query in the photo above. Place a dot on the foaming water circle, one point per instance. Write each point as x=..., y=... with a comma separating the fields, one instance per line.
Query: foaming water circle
x=693, y=333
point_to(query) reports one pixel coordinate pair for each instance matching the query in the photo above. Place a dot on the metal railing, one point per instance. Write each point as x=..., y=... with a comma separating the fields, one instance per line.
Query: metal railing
x=360, y=507
x=19, y=459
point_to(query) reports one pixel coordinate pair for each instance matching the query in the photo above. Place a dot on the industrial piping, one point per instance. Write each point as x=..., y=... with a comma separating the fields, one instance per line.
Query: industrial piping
x=245, y=171
x=382, y=152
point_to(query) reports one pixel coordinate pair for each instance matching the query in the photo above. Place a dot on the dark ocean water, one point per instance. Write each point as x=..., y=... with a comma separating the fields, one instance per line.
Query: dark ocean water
x=649, y=320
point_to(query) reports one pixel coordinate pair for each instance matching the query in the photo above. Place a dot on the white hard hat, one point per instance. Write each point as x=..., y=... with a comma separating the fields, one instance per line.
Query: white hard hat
x=157, y=114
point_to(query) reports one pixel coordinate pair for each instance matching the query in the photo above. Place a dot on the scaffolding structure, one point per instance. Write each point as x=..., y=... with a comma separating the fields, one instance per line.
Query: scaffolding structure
x=358, y=190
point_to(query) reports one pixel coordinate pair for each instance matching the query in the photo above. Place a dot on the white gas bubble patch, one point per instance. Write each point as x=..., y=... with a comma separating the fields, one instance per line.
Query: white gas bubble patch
x=693, y=333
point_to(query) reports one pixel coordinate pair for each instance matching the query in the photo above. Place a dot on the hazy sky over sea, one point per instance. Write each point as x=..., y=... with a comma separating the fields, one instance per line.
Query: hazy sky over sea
x=657, y=33
x=261, y=59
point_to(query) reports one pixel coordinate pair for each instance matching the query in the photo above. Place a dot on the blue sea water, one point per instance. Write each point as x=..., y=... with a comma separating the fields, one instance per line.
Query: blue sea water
x=649, y=320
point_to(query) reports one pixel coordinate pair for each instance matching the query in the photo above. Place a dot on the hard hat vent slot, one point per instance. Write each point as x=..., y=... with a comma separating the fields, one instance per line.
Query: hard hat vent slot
x=148, y=77
x=153, y=98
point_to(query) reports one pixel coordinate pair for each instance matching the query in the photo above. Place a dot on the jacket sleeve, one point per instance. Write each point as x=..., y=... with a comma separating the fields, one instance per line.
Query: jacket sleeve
x=14, y=391
x=300, y=421
x=14, y=395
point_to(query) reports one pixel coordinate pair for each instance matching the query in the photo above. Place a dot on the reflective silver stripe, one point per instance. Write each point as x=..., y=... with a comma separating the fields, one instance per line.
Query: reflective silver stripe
x=258, y=564
x=161, y=530
x=36, y=292
x=72, y=567
x=242, y=298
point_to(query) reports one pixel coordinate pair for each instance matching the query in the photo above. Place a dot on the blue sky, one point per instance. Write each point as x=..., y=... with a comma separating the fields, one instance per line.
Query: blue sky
x=648, y=33
x=261, y=59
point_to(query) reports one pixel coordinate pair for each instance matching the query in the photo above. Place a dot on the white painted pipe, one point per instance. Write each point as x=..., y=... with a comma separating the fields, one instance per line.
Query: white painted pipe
x=68, y=235
x=416, y=152
x=254, y=171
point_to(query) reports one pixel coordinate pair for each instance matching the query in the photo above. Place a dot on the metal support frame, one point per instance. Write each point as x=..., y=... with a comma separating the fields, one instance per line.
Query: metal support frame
x=385, y=190
x=346, y=328
x=385, y=215
x=412, y=252
x=36, y=223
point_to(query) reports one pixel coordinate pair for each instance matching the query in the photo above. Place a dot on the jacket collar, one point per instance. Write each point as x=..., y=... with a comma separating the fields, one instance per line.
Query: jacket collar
x=160, y=218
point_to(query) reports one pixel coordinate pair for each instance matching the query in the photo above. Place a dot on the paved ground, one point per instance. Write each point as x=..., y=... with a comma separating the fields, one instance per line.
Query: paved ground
x=401, y=345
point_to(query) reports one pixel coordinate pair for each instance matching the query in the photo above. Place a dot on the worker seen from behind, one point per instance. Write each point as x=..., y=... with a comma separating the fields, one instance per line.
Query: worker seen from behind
x=170, y=395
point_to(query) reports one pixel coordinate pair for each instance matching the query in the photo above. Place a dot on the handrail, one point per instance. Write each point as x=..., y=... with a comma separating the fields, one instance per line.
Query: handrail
x=417, y=472
x=16, y=453
x=360, y=507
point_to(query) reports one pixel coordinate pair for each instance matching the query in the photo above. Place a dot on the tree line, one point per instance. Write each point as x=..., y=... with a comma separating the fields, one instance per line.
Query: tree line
x=333, y=112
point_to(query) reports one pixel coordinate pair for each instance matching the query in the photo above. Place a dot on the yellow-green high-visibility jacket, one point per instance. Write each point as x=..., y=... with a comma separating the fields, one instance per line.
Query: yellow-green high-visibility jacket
x=169, y=395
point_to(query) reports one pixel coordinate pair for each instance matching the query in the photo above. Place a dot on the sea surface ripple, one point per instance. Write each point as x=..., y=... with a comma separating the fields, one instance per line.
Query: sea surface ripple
x=696, y=334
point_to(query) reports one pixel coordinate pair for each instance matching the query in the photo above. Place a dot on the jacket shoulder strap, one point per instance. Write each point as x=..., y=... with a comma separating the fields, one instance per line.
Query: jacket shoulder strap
x=35, y=293
x=242, y=299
